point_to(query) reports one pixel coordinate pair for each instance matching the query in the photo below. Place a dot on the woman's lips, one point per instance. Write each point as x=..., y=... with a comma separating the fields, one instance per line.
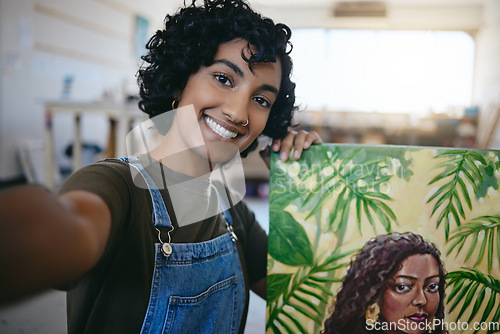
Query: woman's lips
x=418, y=317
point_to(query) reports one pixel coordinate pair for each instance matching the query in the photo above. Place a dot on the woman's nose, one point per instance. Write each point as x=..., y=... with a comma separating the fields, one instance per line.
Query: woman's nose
x=236, y=109
x=419, y=299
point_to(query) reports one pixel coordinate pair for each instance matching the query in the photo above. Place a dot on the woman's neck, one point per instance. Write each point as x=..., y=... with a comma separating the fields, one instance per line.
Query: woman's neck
x=187, y=162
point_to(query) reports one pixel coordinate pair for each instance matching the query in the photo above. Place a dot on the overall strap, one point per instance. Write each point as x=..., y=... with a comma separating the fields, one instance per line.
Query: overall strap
x=160, y=214
x=227, y=216
x=157, y=200
x=224, y=208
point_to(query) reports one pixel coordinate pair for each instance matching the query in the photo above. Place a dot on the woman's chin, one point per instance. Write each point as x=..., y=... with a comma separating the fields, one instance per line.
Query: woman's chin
x=219, y=152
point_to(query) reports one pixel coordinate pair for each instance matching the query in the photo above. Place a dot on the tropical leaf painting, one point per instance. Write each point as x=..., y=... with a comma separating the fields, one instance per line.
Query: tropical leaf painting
x=484, y=235
x=476, y=292
x=324, y=206
x=459, y=169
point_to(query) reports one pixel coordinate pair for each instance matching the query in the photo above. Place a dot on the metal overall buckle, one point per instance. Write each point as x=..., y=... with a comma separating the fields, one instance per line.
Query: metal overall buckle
x=166, y=248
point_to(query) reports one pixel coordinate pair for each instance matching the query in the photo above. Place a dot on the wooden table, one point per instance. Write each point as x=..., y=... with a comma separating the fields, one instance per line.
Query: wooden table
x=121, y=117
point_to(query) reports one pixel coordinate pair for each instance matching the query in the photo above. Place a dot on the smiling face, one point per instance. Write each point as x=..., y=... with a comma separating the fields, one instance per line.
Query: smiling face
x=231, y=102
x=412, y=297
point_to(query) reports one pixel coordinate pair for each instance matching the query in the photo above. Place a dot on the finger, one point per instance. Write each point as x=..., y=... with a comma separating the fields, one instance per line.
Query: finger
x=276, y=145
x=300, y=144
x=312, y=138
x=286, y=145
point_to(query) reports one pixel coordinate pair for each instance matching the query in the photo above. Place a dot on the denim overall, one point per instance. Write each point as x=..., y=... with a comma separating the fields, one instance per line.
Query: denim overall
x=196, y=287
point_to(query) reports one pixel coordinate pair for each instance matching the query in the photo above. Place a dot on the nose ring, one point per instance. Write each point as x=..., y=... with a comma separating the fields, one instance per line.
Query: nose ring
x=245, y=124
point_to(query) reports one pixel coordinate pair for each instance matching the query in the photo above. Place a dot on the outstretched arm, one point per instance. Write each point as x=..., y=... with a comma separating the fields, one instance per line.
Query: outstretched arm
x=48, y=241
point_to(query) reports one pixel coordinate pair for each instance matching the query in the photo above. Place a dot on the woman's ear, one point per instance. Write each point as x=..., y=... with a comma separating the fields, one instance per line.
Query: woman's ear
x=178, y=95
x=372, y=312
x=176, y=99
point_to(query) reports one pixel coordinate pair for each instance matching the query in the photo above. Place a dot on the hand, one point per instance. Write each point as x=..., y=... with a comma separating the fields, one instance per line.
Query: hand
x=300, y=141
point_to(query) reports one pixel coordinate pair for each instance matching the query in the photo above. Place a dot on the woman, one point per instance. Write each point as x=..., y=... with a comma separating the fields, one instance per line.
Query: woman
x=395, y=284
x=128, y=258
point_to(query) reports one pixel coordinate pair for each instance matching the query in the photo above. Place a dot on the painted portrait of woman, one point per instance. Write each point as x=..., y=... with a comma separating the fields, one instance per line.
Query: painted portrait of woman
x=395, y=284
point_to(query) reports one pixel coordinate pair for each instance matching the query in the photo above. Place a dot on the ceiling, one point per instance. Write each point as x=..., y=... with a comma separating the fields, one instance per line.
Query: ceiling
x=290, y=10
x=328, y=3
x=155, y=5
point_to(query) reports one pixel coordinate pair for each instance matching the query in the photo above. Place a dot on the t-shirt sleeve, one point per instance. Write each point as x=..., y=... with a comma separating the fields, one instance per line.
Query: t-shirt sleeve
x=254, y=245
x=110, y=180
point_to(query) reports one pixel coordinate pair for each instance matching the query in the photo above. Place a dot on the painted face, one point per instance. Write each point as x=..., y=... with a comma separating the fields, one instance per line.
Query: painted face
x=231, y=101
x=411, y=297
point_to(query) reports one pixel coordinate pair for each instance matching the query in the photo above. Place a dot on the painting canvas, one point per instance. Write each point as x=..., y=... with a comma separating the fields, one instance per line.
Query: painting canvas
x=326, y=205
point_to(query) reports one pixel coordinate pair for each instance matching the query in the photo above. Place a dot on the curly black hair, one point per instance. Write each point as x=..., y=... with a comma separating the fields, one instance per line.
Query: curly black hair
x=190, y=39
x=366, y=279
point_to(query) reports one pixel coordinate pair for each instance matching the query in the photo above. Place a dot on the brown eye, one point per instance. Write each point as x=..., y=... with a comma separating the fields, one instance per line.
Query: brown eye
x=223, y=79
x=262, y=101
x=433, y=287
x=402, y=288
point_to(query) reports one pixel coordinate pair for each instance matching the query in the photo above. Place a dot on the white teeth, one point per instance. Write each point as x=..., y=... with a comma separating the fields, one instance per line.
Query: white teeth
x=219, y=129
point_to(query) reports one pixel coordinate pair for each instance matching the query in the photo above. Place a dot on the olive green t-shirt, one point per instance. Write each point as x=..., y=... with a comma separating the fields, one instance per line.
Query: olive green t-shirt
x=114, y=295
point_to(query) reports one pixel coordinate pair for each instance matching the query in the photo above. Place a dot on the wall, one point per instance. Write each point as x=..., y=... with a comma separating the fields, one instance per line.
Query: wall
x=487, y=81
x=44, y=41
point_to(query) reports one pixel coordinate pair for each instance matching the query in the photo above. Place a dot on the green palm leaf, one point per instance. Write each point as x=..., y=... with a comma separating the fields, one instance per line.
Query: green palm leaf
x=485, y=226
x=295, y=322
x=469, y=289
x=276, y=283
x=369, y=202
x=460, y=169
x=287, y=328
x=306, y=293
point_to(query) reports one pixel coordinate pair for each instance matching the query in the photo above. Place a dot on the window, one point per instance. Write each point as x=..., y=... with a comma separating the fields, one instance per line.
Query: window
x=383, y=71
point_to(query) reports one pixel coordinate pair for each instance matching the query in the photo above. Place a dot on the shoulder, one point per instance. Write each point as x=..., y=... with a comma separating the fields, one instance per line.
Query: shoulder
x=112, y=181
x=94, y=175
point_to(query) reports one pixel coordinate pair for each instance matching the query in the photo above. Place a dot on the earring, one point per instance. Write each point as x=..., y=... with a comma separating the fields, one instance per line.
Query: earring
x=173, y=104
x=245, y=124
x=372, y=312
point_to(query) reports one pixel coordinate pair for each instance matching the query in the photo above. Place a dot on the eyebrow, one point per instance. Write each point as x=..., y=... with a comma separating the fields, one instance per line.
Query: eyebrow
x=270, y=88
x=240, y=73
x=415, y=278
x=231, y=65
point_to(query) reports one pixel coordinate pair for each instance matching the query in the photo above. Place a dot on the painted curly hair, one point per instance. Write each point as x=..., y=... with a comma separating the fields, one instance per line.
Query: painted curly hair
x=365, y=281
x=190, y=39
